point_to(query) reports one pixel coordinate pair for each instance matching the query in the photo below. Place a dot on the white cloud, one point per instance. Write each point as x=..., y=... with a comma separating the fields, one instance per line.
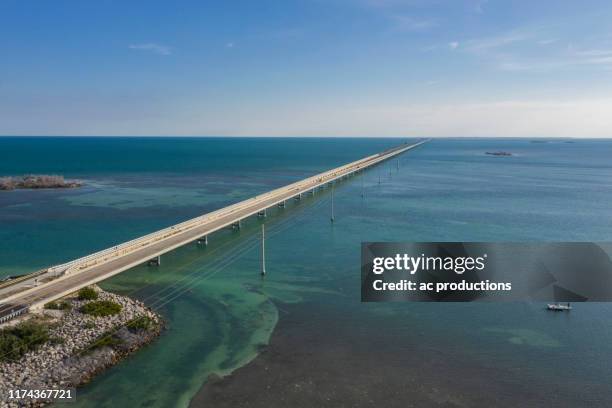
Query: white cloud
x=594, y=53
x=408, y=23
x=533, y=49
x=486, y=44
x=547, y=41
x=395, y=3
x=152, y=47
x=571, y=58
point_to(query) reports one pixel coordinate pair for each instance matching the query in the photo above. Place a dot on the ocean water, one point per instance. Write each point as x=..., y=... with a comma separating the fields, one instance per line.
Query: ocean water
x=220, y=314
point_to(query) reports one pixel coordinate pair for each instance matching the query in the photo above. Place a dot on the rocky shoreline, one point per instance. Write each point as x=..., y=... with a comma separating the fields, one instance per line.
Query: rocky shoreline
x=81, y=347
x=37, y=181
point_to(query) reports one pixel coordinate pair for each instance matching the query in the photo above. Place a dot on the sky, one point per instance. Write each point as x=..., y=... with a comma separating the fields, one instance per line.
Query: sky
x=418, y=68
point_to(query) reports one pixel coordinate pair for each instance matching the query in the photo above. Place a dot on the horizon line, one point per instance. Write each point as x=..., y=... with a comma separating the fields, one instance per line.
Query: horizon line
x=308, y=137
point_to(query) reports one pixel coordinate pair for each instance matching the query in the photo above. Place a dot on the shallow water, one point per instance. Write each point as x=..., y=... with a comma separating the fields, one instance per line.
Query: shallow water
x=220, y=313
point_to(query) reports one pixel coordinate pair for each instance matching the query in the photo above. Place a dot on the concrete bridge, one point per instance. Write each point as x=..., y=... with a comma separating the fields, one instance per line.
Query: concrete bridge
x=57, y=281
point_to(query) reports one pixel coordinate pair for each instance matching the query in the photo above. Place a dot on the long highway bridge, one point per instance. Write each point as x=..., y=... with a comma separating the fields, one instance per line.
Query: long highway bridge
x=57, y=281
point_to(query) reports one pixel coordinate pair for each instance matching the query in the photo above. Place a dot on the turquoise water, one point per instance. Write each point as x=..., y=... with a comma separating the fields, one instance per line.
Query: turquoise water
x=220, y=313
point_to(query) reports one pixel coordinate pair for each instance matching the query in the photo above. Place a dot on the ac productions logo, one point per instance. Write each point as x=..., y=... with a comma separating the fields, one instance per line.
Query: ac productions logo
x=459, y=272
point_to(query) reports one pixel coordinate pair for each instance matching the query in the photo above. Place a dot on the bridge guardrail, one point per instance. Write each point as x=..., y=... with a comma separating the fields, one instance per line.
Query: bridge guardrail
x=191, y=223
x=11, y=282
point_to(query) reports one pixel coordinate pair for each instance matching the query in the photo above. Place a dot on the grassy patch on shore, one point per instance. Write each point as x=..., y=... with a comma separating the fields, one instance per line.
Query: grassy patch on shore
x=58, y=306
x=140, y=323
x=106, y=340
x=87, y=293
x=101, y=308
x=18, y=340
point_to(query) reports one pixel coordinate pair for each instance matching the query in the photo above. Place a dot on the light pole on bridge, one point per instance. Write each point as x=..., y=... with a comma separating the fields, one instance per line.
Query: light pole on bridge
x=332, y=203
x=263, y=250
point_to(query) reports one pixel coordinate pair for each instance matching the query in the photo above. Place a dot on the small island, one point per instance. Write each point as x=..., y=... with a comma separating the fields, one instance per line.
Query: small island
x=33, y=181
x=500, y=153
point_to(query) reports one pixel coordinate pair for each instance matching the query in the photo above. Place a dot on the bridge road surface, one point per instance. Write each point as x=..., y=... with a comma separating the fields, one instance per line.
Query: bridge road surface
x=37, y=297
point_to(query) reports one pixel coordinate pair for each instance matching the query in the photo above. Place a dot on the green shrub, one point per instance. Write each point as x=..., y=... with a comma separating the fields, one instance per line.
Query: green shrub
x=88, y=293
x=106, y=340
x=18, y=340
x=101, y=308
x=140, y=323
x=90, y=325
x=51, y=305
x=58, y=306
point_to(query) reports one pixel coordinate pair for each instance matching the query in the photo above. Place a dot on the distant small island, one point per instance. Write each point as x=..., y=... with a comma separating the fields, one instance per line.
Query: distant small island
x=34, y=181
x=499, y=153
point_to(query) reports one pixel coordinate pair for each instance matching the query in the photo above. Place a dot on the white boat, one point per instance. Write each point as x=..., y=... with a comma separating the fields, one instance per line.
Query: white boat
x=558, y=307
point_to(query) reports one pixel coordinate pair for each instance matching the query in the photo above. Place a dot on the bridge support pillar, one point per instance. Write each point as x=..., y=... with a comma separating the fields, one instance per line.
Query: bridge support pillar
x=237, y=225
x=262, y=213
x=281, y=204
x=203, y=240
x=298, y=197
x=155, y=261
